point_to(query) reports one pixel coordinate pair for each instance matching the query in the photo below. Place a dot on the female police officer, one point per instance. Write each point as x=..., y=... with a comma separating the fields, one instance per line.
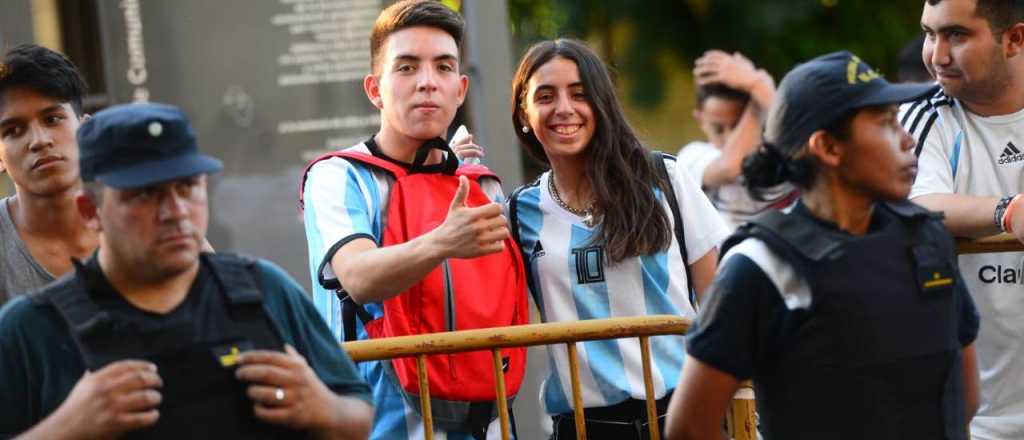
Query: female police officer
x=848, y=311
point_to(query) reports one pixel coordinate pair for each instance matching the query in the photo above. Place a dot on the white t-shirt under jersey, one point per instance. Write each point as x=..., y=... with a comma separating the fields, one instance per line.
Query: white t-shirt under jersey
x=964, y=153
x=731, y=200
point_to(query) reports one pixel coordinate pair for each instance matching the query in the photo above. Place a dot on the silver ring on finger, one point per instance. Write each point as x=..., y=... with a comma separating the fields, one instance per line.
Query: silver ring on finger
x=279, y=394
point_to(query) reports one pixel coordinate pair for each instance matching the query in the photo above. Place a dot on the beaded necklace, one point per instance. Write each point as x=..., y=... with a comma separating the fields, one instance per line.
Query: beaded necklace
x=587, y=213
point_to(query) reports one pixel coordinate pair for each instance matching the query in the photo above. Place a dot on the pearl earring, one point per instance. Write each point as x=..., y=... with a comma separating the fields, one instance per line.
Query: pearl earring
x=526, y=129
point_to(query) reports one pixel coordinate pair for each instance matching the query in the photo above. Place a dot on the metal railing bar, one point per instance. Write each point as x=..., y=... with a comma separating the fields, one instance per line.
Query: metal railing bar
x=577, y=398
x=992, y=244
x=425, y=410
x=652, y=409
x=515, y=336
x=742, y=420
x=499, y=387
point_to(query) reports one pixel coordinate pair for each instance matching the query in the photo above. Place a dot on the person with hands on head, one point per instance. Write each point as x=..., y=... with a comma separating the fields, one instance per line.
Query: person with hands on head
x=733, y=96
x=611, y=230
x=737, y=72
x=853, y=296
x=152, y=338
x=969, y=131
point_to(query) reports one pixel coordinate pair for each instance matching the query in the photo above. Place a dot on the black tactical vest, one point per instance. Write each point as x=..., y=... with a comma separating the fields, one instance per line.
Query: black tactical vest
x=877, y=354
x=202, y=399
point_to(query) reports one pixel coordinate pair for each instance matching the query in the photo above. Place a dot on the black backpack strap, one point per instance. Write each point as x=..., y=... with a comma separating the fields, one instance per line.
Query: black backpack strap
x=677, y=218
x=513, y=213
x=447, y=166
x=239, y=281
x=350, y=311
x=513, y=221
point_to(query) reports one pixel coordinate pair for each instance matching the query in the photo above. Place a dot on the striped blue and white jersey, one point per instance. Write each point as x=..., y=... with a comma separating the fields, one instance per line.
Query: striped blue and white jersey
x=571, y=280
x=346, y=201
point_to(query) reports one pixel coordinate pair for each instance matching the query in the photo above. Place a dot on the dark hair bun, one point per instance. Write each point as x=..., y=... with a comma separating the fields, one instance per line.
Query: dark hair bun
x=763, y=169
x=766, y=168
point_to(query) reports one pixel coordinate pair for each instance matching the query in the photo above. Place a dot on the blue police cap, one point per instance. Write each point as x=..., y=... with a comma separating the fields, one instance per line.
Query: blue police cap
x=820, y=92
x=136, y=145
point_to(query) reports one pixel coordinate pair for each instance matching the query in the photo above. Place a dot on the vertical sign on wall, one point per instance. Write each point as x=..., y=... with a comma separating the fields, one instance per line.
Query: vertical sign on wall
x=268, y=85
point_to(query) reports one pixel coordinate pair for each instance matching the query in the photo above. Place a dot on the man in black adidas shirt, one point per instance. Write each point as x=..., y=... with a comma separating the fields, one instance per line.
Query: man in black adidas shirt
x=151, y=339
x=970, y=135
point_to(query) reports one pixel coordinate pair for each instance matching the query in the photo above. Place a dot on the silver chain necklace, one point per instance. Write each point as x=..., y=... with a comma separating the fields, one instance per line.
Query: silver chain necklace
x=587, y=213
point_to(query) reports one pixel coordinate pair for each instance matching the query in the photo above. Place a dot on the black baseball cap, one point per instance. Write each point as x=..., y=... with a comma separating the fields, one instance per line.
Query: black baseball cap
x=821, y=91
x=136, y=145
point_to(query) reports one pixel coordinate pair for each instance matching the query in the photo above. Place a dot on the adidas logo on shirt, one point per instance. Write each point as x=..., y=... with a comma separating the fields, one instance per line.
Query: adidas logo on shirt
x=1010, y=154
x=538, y=250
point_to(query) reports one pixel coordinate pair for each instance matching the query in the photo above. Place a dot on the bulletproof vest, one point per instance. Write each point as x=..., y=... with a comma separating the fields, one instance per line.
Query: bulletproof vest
x=201, y=396
x=877, y=354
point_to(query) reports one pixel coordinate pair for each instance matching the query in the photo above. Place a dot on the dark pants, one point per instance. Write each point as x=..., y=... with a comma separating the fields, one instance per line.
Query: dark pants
x=623, y=421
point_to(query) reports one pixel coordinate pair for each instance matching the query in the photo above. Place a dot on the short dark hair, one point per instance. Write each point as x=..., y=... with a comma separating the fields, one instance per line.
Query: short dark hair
x=719, y=90
x=43, y=71
x=1000, y=14
x=411, y=13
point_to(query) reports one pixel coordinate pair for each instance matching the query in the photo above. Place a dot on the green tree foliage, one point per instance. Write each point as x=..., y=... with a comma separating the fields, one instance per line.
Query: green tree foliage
x=776, y=34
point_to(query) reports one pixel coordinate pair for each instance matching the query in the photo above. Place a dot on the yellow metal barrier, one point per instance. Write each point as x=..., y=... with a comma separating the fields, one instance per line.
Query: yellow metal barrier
x=740, y=419
x=742, y=422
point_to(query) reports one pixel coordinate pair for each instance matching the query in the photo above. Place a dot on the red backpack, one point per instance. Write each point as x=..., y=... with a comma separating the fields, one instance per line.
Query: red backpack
x=461, y=294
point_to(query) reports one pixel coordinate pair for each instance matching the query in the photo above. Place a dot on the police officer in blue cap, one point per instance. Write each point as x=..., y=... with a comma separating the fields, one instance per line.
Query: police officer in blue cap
x=150, y=338
x=848, y=311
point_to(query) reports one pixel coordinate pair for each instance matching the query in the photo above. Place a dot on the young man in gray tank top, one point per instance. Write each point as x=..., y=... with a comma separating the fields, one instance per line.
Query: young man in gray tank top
x=40, y=228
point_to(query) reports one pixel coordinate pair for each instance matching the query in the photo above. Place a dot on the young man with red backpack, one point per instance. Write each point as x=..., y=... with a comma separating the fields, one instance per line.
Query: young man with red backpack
x=404, y=240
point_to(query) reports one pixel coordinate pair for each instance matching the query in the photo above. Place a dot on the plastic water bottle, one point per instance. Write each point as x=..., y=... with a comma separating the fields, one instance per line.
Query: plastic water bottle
x=461, y=133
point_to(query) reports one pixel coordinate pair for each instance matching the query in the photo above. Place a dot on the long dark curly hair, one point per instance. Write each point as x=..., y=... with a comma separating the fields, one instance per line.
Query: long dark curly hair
x=619, y=169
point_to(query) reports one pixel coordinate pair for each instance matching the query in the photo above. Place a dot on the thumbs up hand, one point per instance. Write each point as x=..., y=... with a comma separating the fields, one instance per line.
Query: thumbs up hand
x=469, y=232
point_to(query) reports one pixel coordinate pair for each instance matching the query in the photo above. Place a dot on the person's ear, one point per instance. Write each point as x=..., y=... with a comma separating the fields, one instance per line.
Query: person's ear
x=1013, y=40
x=371, y=85
x=463, y=88
x=825, y=149
x=698, y=115
x=85, y=117
x=87, y=209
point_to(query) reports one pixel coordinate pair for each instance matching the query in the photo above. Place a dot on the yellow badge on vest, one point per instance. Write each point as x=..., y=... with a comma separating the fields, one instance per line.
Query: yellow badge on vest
x=935, y=273
x=227, y=354
x=938, y=281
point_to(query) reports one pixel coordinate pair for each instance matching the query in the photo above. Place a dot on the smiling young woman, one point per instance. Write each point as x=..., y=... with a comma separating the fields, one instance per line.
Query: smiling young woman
x=597, y=234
